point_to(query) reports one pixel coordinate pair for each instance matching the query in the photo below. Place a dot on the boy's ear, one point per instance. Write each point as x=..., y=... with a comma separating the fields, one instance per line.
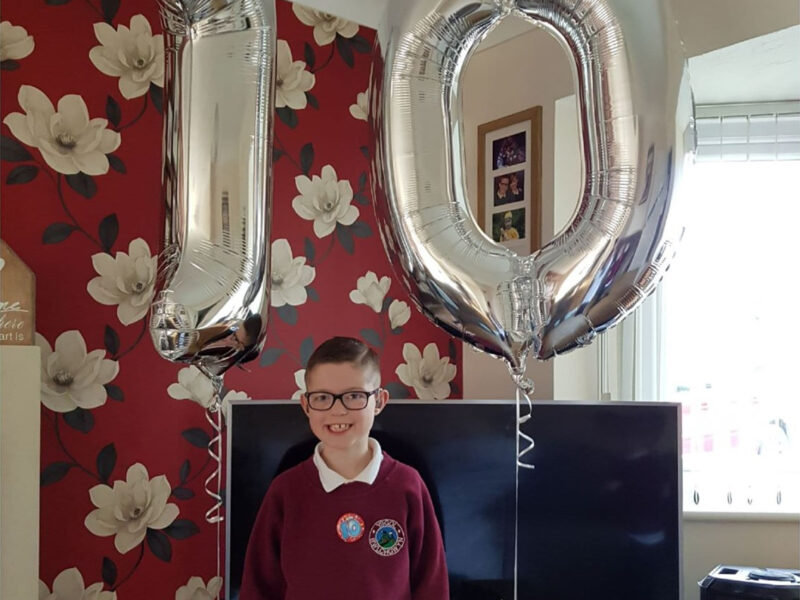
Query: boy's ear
x=304, y=403
x=381, y=400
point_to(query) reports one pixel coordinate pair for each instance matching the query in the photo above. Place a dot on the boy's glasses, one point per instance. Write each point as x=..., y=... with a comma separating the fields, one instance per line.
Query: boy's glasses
x=355, y=400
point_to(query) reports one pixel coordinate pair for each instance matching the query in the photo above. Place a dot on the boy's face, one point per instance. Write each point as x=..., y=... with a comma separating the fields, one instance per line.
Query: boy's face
x=338, y=427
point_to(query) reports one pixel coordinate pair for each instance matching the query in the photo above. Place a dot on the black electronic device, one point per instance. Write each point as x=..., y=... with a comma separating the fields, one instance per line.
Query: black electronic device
x=599, y=515
x=727, y=582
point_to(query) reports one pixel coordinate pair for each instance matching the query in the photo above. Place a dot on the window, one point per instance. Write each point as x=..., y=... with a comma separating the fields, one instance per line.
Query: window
x=731, y=318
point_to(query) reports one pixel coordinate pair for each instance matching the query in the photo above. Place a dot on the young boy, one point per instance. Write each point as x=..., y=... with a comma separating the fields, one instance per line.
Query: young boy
x=350, y=522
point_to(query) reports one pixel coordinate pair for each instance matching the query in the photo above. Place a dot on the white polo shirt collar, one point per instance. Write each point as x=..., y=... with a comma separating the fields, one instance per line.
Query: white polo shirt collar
x=331, y=480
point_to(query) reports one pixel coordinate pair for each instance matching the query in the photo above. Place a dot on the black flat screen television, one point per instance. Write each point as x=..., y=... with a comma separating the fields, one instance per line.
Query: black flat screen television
x=599, y=517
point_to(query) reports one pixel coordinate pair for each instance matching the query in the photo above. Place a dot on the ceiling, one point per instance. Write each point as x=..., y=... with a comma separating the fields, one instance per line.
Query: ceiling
x=705, y=25
x=761, y=69
x=741, y=51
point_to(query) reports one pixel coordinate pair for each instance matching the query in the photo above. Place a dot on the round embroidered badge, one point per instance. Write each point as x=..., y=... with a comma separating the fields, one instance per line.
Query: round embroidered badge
x=386, y=537
x=350, y=527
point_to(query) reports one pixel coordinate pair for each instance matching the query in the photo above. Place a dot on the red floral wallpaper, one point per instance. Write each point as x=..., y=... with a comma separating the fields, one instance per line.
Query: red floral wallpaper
x=124, y=453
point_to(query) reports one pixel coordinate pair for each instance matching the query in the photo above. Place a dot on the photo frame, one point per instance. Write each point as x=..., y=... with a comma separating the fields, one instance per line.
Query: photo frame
x=510, y=180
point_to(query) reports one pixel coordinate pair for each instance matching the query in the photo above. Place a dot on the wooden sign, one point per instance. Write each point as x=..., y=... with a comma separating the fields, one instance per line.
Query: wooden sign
x=17, y=300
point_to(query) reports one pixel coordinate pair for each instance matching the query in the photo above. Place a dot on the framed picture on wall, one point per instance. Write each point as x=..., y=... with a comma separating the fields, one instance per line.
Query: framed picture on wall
x=510, y=180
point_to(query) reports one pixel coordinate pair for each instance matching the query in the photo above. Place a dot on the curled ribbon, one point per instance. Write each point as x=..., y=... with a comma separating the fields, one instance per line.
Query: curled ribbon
x=214, y=416
x=524, y=441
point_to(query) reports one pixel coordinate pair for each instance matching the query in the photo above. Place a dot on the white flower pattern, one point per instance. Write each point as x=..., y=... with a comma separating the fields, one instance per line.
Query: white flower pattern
x=292, y=81
x=300, y=382
x=127, y=280
x=426, y=372
x=325, y=200
x=326, y=26
x=68, y=585
x=399, y=313
x=71, y=377
x=192, y=385
x=15, y=43
x=370, y=291
x=290, y=276
x=195, y=386
x=132, y=53
x=130, y=508
x=360, y=110
x=196, y=589
x=68, y=140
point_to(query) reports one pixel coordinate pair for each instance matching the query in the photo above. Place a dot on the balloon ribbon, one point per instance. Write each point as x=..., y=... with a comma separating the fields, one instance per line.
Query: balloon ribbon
x=214, y=514
x=524, y=389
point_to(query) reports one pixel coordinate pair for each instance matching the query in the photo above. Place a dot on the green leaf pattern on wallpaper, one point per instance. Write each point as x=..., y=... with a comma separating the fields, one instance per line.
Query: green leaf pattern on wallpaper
x=56, y=142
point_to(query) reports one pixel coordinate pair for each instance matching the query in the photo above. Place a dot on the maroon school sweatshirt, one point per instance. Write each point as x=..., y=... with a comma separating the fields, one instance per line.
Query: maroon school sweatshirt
x=360, y=541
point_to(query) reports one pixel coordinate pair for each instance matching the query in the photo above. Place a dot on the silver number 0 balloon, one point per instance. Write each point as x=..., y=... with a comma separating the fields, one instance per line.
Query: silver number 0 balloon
x=212, y=311
x=636, y=123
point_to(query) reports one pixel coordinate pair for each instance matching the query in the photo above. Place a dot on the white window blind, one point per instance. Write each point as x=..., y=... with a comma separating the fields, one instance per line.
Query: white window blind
x=719, y=336
x=729, y=358
x=755, y=132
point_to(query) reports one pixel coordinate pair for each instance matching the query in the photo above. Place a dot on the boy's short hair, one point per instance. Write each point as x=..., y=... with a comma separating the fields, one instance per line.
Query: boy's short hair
x=341, y=349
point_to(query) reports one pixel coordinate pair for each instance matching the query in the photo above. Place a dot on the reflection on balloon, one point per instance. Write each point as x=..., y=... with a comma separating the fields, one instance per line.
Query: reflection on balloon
x=636, y=124
x=219, y=90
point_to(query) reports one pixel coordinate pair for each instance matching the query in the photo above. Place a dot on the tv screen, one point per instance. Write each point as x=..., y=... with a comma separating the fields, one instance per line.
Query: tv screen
x=597, y=517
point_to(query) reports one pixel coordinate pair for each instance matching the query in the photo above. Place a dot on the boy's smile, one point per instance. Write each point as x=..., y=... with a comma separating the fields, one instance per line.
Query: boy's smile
x=338, y=420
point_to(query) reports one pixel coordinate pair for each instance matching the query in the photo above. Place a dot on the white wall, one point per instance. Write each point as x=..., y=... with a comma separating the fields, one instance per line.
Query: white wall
x=497, y=82
x=20, y=376
x=575, y=374
x=530, y=70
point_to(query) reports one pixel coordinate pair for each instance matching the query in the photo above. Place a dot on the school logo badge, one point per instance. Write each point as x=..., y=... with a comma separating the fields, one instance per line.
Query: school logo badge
x=386, y=537
x=350, y=527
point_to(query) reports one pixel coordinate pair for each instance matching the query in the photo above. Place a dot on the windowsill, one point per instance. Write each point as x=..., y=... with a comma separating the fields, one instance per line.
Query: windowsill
x=785, y=517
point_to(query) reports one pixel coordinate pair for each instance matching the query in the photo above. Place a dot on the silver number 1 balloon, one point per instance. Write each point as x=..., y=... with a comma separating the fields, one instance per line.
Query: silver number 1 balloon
x=219, y=90
x=636, y=124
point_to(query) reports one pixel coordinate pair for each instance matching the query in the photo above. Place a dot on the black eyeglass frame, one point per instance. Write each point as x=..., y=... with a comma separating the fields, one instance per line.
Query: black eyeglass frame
x=340, y=398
